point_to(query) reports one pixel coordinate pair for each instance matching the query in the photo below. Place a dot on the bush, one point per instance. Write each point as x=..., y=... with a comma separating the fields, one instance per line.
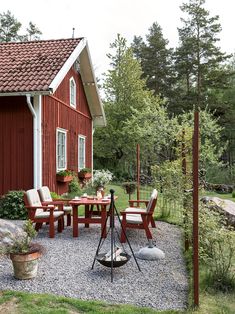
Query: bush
x=12, y=206
x=74, y=186
x=217, y=248
x=233, y=194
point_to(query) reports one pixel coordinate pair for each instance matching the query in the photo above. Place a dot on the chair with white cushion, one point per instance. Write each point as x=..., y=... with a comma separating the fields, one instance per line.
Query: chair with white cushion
x=39, y=213
x=139, y=218
x=46, y=199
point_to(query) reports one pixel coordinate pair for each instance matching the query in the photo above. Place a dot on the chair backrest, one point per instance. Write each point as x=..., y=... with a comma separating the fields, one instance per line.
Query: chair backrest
x=45, y=194
x=33, y=199
x=152, y=202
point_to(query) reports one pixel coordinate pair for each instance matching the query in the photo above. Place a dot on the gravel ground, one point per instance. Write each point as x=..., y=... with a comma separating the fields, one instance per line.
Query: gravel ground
x=65, y=269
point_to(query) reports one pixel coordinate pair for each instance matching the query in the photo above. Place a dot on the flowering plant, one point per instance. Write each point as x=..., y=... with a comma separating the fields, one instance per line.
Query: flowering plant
x=102, y=177
x=65, y=173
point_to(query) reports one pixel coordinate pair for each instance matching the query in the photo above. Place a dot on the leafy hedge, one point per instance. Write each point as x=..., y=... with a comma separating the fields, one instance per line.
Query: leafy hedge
x=12, y=205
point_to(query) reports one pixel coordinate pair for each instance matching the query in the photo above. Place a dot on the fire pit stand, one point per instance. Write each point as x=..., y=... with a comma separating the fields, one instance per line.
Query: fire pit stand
x=108, y=259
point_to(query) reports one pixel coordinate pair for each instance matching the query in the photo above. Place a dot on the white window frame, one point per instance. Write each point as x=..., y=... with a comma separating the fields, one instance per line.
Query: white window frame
x=84, y=152
x=72, y=96
x=59, y=130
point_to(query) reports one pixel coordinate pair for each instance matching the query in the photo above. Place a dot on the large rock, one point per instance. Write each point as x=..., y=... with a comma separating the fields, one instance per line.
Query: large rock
x=225, y=207
x=9, y=232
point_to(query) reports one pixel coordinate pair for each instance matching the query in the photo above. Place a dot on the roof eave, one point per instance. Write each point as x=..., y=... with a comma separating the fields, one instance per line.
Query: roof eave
x=23, y=93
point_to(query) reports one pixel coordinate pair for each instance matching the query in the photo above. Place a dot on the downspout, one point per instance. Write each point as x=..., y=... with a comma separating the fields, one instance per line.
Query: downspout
x=31, y=108
x=92, y=163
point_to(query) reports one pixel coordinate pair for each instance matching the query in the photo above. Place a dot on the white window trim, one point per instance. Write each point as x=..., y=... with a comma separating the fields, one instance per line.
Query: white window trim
x=71, y=104
x=65, y=132
x=84, y=137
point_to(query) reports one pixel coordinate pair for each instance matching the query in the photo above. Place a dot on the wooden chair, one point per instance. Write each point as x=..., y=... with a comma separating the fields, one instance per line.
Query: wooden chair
x=60, y=204
x=39, y=213
x=139, y=218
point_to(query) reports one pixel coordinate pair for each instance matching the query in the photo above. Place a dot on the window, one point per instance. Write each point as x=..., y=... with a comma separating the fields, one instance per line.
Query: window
x=81, y=152
x=72, y=86
x=61, y=160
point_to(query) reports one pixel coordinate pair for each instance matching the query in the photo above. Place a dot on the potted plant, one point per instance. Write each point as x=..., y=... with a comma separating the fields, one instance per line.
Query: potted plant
x=85, y=173
x=101, y=178
x=64, y=176
x=129, y=187
x=23, y=253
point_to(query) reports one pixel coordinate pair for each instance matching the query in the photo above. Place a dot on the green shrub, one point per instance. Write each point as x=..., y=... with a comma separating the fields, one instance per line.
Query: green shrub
x=12, y=206
x=54, y=195
x=217, y=248
x=233, y=194
x=74, y=186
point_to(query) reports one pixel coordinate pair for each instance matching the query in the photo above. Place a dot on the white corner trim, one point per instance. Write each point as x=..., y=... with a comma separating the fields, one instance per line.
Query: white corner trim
x=65, y=68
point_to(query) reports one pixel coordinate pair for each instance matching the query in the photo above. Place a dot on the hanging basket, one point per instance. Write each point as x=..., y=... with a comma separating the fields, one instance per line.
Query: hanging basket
x=102, y=261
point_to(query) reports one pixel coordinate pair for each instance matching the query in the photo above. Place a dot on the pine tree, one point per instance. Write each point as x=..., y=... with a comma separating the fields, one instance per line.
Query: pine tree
x=199, y=61
x=9, y=27
x=156, y=61
x=33, y=32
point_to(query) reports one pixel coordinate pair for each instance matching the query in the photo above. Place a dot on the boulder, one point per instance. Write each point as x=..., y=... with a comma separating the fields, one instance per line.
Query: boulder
x=9, y=232
x=226, y=207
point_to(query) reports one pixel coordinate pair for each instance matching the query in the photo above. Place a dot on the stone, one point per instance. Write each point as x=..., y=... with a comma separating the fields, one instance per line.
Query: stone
x=150, y=253
x=9, y=232
x=226, y=207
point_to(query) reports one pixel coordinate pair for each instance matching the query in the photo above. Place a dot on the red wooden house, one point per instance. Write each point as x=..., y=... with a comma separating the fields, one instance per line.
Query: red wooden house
x=49, y=107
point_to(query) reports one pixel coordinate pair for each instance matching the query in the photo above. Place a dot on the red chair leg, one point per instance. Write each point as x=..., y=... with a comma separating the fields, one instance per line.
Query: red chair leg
x=153, y=222
x=51, y=228
x=146, y=229
x=123, y=237
x=68, y=219
x=60, y=224
x=38, y=225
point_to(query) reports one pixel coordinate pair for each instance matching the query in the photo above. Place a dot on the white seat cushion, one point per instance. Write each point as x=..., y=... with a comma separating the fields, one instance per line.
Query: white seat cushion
x=45, y=194
x=56, y=214
x=67, y=209
x=135, y=209
x=133, y=218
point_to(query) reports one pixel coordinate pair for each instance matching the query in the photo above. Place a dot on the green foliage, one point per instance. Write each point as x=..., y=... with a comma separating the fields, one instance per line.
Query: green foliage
x=22, y=243
x=54, y=195
x=65, y=173
x=233, y=194
x=169, y=179
x=156, y=61
x=217, y=248
x=199, y=61
x=74, y=186
x=102, y=177
x=220, y=174
x=12, y=206
x=10, y=27
x=129, y=187
x=85, y=170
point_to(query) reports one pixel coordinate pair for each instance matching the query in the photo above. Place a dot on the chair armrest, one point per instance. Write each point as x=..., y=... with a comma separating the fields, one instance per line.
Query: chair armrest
x=132, y=202
x=43, y=207
x=131, y=213
x=52, y=203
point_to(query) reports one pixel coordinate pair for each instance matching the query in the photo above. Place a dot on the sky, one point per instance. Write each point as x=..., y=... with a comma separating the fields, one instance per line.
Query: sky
x=101, y=20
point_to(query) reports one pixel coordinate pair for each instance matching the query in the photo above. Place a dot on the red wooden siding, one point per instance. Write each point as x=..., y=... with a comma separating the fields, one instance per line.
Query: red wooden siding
x=57, y=113
x=16, y=144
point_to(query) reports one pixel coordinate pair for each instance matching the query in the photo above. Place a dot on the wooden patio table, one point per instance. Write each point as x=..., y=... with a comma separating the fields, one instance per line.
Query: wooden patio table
x=89, y=218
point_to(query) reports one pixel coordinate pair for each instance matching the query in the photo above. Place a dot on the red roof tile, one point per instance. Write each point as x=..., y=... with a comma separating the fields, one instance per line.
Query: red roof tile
x=32, y=66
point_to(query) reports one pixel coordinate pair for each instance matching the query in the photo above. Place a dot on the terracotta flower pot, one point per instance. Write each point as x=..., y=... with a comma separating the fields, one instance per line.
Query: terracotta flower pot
x=60, y=178
x=25, y=265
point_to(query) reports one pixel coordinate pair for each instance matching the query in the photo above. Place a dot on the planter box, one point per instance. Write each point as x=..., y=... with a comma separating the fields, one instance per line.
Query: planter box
x=63, y=178
x=84, y=175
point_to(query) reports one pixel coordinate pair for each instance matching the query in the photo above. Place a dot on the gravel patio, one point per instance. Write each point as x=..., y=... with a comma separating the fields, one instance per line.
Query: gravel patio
x=65, y=270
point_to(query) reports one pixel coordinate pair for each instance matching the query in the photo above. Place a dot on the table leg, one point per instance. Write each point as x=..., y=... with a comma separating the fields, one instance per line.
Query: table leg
x=75, y=221
x=87, y=215
x=103, y=220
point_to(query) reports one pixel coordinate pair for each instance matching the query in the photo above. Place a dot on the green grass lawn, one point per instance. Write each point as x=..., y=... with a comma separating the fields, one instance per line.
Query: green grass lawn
x=27, y=303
